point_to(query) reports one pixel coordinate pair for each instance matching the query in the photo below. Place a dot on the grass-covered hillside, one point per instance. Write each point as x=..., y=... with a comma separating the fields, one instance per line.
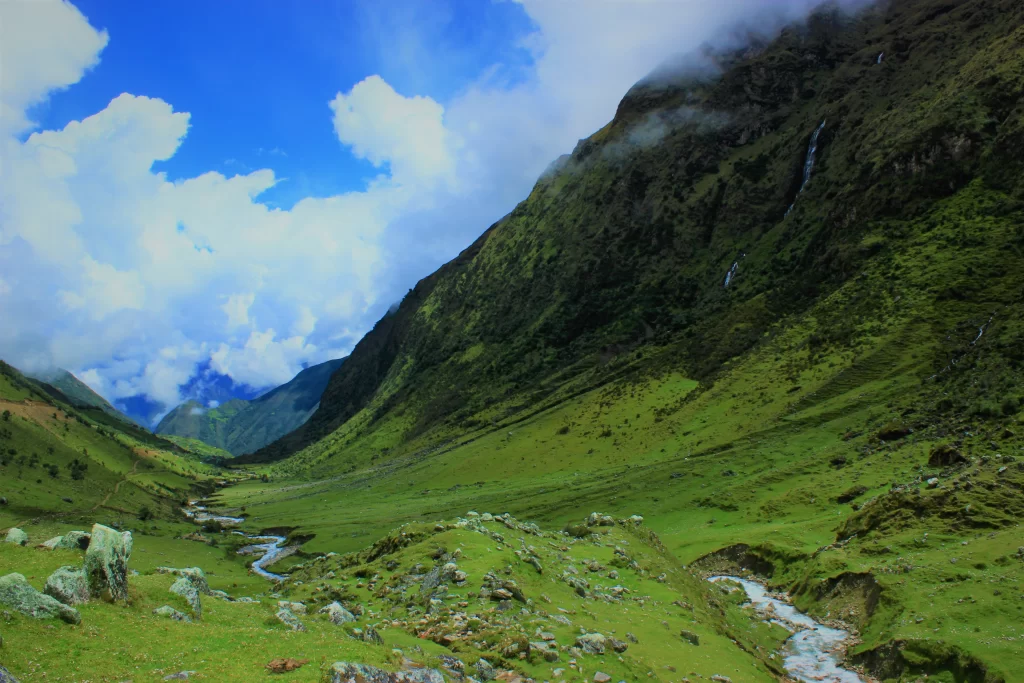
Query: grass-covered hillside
x=848, y=407
x=75, y=391
x=240, y=426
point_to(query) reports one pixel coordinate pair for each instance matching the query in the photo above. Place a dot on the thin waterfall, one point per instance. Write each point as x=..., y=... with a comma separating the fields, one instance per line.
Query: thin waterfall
x=880, y=55
x=812, y=153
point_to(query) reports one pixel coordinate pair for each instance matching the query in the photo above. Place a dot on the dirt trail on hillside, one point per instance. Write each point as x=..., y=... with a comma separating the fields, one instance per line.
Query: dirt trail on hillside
x=117, y=487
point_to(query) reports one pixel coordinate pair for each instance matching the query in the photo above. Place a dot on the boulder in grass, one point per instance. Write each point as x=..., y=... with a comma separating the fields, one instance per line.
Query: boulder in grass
x=171, y=613
x=17, y=537
x=6, y=676
x=106, y=563
x=68, y=585
x=186, y=589
x=19, y=595
x=74, y=540
x=337, y=614
x=52, y=543
x=195, y=574
x=286, y=617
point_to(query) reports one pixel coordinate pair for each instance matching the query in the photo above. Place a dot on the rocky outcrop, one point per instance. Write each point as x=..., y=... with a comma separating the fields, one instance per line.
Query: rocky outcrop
x=6, y=676
x=106, y=563
x=68, y=585
x=74, y=540
x=18, y=594
x=17, y=537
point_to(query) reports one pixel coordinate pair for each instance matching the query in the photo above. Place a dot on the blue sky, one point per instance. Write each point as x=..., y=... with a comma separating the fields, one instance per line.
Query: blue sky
x=199, y=199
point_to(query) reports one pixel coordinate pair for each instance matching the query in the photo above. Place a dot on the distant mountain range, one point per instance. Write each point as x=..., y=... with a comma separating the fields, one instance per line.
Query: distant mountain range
x=239, y=426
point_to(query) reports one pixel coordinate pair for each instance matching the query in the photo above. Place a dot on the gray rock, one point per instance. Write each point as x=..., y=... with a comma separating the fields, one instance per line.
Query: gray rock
x=337, y=614
x=6, y=676
x=617, y=645
x=195, y=574
x=295, y=607
x=220, y=594
x=484, y=670
x=74, y=540
x=17, y=537
x=246, y=599
x=592, y=643
x=18, y=594
x=184, y=587
x=690, y=637
x=52, y=543
x=601, y=677
x=171, y=613
x=180, y=676
x=345, y=672
x=286, y=617
x=106, y=563
x=933, y=483
x=69, y=585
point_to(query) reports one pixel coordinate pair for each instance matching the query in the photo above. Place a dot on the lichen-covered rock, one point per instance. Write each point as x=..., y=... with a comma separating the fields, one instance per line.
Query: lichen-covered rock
x=6, y=676
x=17, y=537
x=184, y=587
x=171, y=613
x=286, y=617
x=68, y=585
x=18, y=594
x=344, y=672
x=295, y=607
x=337, y=614
x=195, y=574
x=484, y=671
x=74, y=540
x=106, y=563
x=592, y=643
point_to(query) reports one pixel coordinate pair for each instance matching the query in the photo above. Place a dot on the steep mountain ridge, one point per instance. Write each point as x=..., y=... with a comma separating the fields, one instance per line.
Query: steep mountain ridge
x=239, y=426
x=78, y=392
x=627, y=242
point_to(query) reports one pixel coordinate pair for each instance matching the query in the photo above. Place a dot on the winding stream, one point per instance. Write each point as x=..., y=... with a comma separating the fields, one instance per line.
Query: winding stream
x=269, y=548
x=812, y=647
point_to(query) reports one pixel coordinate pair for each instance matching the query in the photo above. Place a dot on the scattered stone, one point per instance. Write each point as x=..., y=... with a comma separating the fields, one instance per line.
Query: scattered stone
x=184, y=587
x=617, y=645
x=598, y=519
x=171, y=613
x=631, y=638
x=194, y=574
x=5, y=675
x=721, y=679
x=284, y=665
x=601, y=677
x=286, y=617
x=592, y=643
x=933, y=483
x=344, y=672
x=180, y=676
x=220, y=594
x=487, y=517
x=106, y=563
x=68, y=585
x=18, y=594
x=690, y=637
x=52, y=543
x=337, y=614
x=17, y=537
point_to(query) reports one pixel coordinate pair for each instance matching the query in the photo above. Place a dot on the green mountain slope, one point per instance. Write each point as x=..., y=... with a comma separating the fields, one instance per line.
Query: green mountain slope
x=79, y=393
x=842, y=417
x=239, y=426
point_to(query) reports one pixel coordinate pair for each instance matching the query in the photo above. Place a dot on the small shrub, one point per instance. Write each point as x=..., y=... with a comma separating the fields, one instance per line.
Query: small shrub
x=145, y=514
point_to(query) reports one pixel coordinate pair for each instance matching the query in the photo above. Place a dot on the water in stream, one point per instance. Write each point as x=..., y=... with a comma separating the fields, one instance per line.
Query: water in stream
x=812, y=646
x=269, y=548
